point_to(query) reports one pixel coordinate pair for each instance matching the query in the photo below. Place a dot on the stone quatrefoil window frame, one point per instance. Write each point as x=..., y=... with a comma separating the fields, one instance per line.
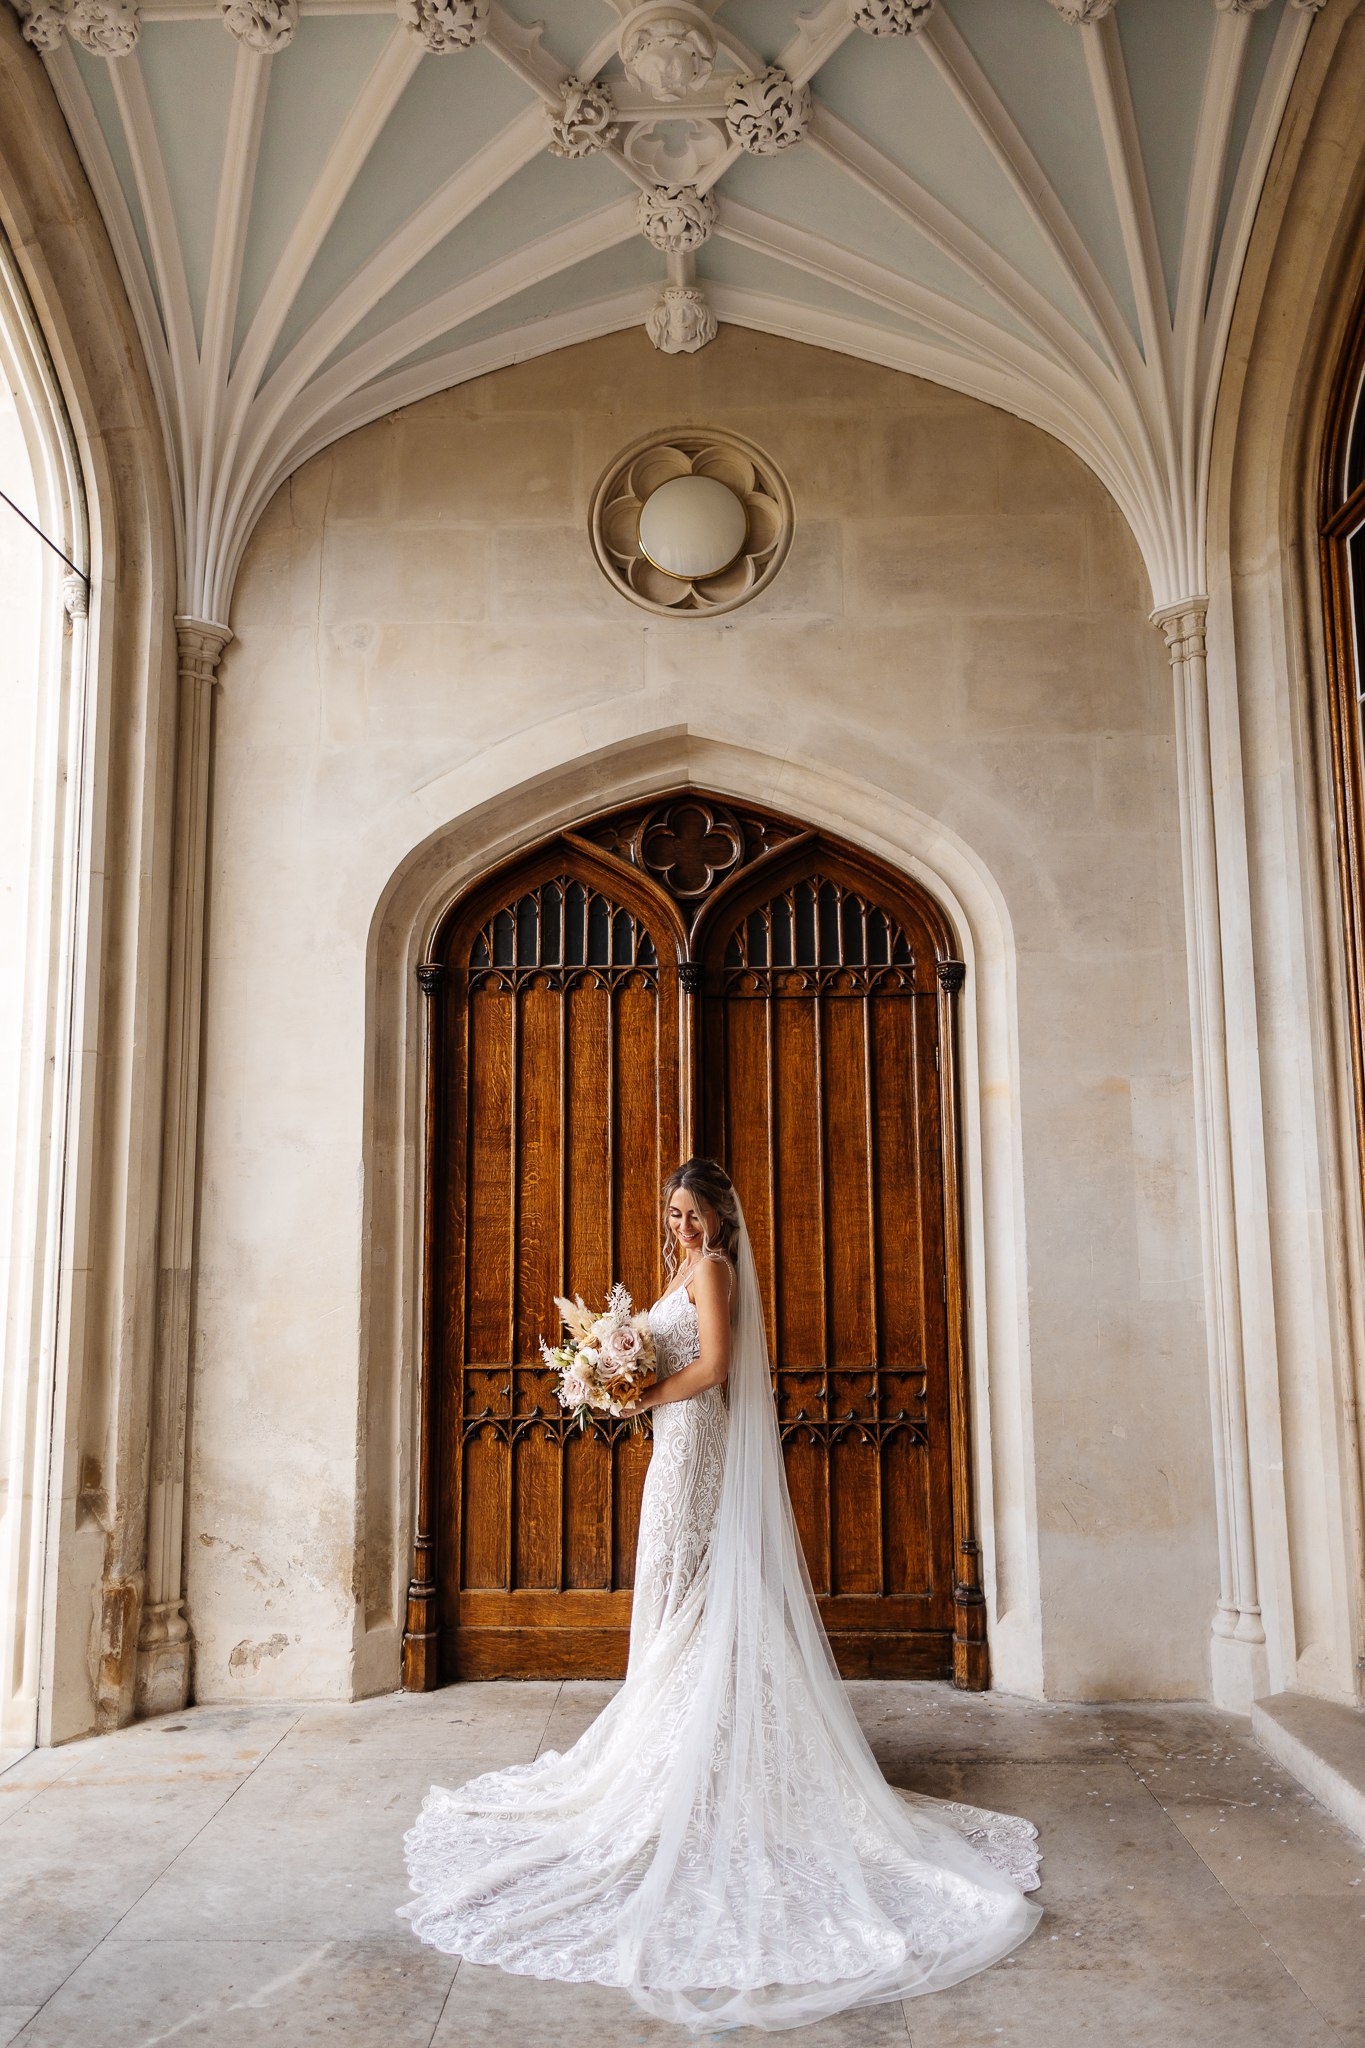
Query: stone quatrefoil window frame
x=655, y=459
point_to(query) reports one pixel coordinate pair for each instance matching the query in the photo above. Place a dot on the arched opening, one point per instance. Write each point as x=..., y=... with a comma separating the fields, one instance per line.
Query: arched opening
x=1343, y=568
x=693, y=973
x=43, y=594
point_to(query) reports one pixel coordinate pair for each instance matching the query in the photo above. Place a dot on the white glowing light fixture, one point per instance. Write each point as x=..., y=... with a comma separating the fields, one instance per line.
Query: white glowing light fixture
x=692, y=526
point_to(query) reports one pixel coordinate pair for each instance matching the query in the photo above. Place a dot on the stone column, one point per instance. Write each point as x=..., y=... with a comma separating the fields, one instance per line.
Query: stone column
x=163, y=1652
x=1239, y=1660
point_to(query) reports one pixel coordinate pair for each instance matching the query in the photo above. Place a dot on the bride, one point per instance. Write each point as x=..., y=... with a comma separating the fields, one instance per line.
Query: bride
x=720, y=1842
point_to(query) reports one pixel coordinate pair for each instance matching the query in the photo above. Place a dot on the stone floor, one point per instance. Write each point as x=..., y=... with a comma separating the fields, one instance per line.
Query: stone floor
x=229, y=1877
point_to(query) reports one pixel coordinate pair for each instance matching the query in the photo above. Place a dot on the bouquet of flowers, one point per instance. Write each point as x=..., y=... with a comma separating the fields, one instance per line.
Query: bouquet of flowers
x=605, y=1360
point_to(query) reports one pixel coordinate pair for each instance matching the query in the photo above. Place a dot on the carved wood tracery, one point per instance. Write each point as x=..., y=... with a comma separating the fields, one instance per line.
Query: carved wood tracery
x=680, y=973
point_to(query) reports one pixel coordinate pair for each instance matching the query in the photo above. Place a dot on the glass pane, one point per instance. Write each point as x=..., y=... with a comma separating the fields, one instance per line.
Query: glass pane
x=1355, y=444
x=1355, y=571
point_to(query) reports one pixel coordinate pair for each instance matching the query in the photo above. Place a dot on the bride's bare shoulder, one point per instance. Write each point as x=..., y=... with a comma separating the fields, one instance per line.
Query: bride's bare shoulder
x=712, y=1281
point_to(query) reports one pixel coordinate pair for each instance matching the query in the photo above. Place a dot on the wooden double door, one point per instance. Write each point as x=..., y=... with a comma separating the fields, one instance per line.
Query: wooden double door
x=690, y=976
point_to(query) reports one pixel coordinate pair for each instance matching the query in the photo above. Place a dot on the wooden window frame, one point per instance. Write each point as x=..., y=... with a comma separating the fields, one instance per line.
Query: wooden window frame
x=1342, y=515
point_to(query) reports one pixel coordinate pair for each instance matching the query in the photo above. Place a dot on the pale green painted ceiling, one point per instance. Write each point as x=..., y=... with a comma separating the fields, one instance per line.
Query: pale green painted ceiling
x=1043, y=211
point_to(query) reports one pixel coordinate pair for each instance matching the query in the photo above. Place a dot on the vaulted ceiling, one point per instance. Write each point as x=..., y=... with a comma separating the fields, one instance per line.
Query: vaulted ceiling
x=324, y=209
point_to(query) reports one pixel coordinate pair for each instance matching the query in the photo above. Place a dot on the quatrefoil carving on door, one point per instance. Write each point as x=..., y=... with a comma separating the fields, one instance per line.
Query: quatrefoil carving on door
x=690, y=846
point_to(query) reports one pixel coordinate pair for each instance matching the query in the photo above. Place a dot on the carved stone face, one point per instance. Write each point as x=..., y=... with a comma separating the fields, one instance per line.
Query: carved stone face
x=680, y=321
x=668, y=56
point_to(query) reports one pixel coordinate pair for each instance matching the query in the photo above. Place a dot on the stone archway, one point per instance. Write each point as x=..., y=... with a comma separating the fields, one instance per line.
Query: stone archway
x=693, y=975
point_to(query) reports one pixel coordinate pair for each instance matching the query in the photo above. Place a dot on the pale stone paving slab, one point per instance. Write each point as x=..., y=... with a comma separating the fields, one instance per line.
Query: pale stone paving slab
x=231, y=1877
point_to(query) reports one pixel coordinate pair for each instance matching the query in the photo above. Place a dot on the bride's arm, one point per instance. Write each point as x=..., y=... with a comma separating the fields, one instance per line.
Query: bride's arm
x=711, y=1290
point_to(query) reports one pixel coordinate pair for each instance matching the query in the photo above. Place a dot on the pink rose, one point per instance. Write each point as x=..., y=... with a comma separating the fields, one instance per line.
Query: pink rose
x=621, y=1349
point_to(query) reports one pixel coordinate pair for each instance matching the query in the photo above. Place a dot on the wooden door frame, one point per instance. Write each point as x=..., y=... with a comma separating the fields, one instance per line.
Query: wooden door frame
x=620, y=875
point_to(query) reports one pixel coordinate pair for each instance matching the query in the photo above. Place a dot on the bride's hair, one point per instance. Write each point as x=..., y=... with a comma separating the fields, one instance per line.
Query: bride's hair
x=706, y=1182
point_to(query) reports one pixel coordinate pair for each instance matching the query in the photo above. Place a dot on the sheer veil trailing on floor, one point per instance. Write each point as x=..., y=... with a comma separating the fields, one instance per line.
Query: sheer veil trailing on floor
x=721, y=1841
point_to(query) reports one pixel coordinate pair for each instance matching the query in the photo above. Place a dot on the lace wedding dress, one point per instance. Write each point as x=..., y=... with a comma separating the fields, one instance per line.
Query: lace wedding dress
x=721, y=1841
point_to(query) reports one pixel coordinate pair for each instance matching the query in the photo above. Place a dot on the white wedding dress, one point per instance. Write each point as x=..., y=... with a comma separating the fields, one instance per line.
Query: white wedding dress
x=721, y=1842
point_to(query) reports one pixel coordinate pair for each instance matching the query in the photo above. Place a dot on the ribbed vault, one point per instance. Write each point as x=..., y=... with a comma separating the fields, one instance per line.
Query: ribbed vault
x=324, y=209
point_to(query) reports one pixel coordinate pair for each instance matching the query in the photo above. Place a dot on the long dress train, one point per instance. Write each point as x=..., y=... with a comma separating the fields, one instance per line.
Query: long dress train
x=720, y=1841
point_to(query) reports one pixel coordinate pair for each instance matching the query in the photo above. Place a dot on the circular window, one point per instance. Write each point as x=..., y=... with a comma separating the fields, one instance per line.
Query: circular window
x=691, y=522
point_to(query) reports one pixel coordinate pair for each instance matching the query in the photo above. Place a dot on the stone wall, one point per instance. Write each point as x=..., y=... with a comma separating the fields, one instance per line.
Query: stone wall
x=958, y=642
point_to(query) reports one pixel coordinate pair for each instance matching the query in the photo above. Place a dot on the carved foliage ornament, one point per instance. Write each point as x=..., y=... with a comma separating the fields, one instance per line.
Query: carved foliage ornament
x=107, y=28
x=668, y=51
x=44, y=25
x=680, y=321
x=676, y=218
x=445, y=25
x=1079, y=12
x=263, y=25
x=767, y=112
x=743, y=468
x=891, y=17
x=588, y=120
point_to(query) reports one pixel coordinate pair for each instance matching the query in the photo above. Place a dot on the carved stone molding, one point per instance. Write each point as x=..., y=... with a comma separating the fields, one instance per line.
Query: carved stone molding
x=668, y=50
x=263, y=25
x=767, y=112
x=587, y=121
x=445, y=25
x=107, y=28
x=674, y=151
x=1183, y=628
x=1079, y=12
x=891, y=17
x=626, y=485
x=680, y=321
x=75, y=595
x=676, y=218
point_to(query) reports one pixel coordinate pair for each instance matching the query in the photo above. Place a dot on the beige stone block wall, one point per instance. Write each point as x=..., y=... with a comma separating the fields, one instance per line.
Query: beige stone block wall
x=960, y=630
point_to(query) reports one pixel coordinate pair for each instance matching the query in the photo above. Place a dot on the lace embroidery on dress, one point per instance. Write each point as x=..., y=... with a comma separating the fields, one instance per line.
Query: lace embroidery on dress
x=539, y=1866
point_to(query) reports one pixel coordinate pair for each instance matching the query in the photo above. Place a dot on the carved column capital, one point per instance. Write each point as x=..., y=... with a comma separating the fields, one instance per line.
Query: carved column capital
x=951, y=975
x=106, y=28
x=1079, y=12
x=430, y=975
x=75, y=596
x=262, y=25
x=199, y=646
x=690, y=977
x=1183, y=626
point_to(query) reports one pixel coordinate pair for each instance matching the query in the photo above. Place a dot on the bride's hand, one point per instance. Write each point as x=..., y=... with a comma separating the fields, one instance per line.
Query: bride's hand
x=639, y=1405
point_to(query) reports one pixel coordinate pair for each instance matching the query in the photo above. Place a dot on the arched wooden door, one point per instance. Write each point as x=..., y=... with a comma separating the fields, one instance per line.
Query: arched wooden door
x=823, y=1095
x=692, y=975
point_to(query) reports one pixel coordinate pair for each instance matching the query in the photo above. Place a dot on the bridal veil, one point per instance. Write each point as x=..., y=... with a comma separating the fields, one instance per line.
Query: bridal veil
x=721, y=1841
